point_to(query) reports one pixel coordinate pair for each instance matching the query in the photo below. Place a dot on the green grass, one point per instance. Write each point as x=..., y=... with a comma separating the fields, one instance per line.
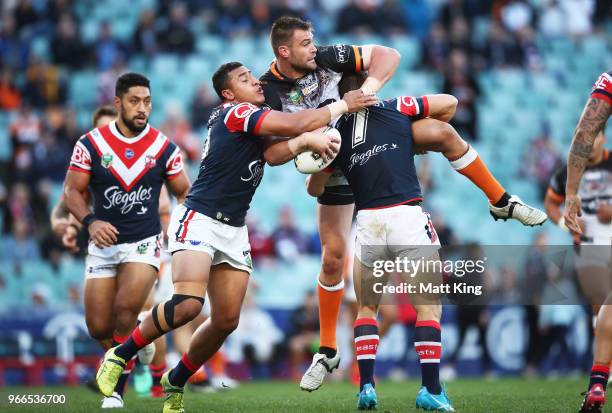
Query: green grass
x=469, y=396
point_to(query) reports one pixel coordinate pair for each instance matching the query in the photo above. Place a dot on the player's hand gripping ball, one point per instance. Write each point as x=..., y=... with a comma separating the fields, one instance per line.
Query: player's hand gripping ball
x=309, y=162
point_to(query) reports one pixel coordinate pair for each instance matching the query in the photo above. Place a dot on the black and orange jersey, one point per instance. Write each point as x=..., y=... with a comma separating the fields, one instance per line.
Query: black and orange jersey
x=317, y=88
x=595, y=189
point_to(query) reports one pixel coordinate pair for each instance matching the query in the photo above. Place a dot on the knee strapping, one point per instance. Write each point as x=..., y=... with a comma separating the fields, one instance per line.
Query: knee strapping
x=169, y=309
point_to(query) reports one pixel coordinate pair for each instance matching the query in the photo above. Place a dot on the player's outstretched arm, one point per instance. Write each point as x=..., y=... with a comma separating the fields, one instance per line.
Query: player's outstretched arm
x=442, y=106
x=381, y=63
x=593, y=118
x=278, y=123
x=278, y=151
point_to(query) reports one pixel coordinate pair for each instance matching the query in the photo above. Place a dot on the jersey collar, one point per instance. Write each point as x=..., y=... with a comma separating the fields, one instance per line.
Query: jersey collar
x=115, y=131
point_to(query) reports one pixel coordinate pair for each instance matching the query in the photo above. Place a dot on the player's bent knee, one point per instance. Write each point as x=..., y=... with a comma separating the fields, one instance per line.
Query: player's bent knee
x=99, y=331
x=226, y=323
x=333, y=262
x=181, y=309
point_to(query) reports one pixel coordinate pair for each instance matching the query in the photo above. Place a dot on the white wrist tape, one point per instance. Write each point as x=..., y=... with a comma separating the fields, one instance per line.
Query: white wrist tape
x=337, y=109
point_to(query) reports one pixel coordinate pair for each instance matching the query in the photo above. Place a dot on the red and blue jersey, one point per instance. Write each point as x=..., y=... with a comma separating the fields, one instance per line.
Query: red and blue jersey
x=376, y=154
x=602, y=89
x=232, y=164
x=126, y=176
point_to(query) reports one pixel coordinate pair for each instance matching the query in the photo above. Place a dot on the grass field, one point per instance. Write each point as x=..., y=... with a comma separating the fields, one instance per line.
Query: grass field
x=469, y=396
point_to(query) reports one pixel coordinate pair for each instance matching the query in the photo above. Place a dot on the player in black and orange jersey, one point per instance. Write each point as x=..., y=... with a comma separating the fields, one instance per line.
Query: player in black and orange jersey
x=586, y=137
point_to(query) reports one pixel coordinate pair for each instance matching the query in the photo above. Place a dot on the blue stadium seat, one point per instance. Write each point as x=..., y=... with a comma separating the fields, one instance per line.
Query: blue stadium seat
x=81, y=93
x=166, y=65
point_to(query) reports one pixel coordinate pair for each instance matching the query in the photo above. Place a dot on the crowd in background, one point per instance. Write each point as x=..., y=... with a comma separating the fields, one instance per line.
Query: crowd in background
x=459, y=38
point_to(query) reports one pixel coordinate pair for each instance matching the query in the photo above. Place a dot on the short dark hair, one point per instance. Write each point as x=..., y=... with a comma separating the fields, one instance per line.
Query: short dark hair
x=128, y=80
x=351, y=81
x=283, y=28
x=220, y=77
x=106, y=110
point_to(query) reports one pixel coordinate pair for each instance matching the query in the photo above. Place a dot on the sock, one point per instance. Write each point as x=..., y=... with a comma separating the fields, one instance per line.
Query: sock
x=131, y=346
x=182, y=371
x=428, y=345
x=217, y=364
x=472, y=167
x=599, y=375
x=122, y=383
x=330, y=298
x=366, y=345
x=117, y=339
x=157, y=371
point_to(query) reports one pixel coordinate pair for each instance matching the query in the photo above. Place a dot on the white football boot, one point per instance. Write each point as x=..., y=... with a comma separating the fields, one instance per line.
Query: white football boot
x=321, y=365
x=517, y=209
x=115, y=401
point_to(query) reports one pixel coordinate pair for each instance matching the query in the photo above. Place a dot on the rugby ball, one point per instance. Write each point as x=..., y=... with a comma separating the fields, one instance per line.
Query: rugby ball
x=310, y=163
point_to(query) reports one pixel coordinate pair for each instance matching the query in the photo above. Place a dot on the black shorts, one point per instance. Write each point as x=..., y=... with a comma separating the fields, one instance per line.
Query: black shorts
x=337, y=195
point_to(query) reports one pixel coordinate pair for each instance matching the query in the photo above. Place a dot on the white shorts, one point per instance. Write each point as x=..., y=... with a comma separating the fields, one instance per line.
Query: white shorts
x=190, y=230
x=388, y=233
x=103, y=262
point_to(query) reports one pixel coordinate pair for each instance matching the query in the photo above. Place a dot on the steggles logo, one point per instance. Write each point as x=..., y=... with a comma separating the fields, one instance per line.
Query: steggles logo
x=126, y=201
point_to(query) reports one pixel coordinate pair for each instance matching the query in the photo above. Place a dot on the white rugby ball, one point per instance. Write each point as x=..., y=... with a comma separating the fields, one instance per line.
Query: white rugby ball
x=310, y=163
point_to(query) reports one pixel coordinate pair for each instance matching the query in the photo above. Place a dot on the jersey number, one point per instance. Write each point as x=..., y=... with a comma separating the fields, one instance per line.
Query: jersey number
x=360, y=125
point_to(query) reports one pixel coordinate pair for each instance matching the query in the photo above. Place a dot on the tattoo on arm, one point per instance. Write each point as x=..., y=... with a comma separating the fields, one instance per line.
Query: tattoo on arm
x=592, y=121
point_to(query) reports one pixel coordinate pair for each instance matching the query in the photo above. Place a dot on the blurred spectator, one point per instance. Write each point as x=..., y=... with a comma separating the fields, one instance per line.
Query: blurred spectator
x=10, y=97
x=66, y=45
x=257, y=337
x=261, y=16
x=542, y=158
x=21, y=245
x=418, y=16
x=359, y=17
x=459, y=82
x=19, y=207
x=43, y=85
x=262, y=245
x=25, y=15
x=178, y=37
x=106, y=82
x=108, y=50
x=555, y=323
x=460, y=37
x=178, y=129
x=13, y=52
x=232, y=18
x=445, y=233
x=578, y=14
x=304, y=337
x=436, y=48
x=532, y=58
x=533, y=282
x=289, y=242
x=144, y=39
x=516, y=15
x=26, y=128
x=202, y=106
x=552, y=19
x=391, y=17
x=501, y=49
x=453, y=10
